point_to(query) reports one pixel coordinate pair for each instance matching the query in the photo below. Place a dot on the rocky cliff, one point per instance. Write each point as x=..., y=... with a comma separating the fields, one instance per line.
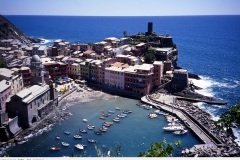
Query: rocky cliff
x=10, y=31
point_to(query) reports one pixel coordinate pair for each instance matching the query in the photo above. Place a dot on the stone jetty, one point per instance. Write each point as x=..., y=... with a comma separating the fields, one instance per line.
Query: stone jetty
x=216, y=142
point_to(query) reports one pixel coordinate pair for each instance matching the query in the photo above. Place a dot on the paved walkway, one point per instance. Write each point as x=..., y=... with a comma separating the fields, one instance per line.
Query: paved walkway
x=168, y=100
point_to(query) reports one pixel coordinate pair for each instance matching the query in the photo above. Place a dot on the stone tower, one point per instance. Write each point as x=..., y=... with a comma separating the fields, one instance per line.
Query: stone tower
x=37, y=71
x=150, y=28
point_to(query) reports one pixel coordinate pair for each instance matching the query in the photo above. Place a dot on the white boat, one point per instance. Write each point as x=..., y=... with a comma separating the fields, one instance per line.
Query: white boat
x=77, y=136
x=121, y=116
x=117, y=108
x=79, y=146
x=174, y=124
x=58, y=137
x=116, y=120
x=85, y=120
x=92, y=141
x=65, y=144
x=91, y=127
x=111, y=111
x=179, y=132
x=152, y=115
x=83, y=131
x=67, y=132
x=173, y=128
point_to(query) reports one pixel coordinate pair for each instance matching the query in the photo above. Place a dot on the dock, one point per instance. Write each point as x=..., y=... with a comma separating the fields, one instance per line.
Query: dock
x=201, y=132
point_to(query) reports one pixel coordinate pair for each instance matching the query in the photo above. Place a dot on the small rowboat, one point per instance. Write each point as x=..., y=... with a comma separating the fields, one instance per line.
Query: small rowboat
x=92, y=141
x=65, y=144
x=91, y=127
x=77, y=136
x=53, y=148
x=116, y=120
x=83, y=131
x=66, y=132
x=103, y=129
x=58, y=137
x=98, y=132
x=85, y=120
x=79, y=146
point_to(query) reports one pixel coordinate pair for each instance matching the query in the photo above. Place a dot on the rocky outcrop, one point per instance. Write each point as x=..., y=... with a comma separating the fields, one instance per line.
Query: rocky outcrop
x=10, y=31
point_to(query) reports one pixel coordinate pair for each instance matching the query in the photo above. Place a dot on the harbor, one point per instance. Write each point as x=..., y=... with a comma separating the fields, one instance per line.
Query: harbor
x=132, y=133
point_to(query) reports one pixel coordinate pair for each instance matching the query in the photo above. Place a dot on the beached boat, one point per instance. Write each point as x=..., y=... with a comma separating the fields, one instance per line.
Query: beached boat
x=67, y=132
x=83, y=130
x=77, y=136
x=21, y=142
x=53, y=148
x=85, y=120
x=180, y=132
x=65, y=144
x=79, y=146
x=92, y=141
x=173, y=128
x=117, y=108
x=58, y=137
x=152, y=115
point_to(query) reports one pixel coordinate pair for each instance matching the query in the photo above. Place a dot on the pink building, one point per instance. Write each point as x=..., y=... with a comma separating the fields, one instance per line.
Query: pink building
x=114, y=75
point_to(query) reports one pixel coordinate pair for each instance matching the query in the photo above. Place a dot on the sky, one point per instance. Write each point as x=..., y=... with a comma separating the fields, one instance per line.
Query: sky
x=120, y=7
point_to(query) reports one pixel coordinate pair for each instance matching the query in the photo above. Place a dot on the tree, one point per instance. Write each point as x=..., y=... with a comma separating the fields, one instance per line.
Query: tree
x=160, y=149
x=124, y=33
x=230, y=118
x=149, y=58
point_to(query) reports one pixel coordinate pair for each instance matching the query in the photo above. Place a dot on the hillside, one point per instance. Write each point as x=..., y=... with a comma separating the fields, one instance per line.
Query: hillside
x=10, y=31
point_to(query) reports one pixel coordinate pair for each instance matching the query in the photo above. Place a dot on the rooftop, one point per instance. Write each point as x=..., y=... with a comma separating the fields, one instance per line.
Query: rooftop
x=6, y=72
x=29, y=94
x=4, y=85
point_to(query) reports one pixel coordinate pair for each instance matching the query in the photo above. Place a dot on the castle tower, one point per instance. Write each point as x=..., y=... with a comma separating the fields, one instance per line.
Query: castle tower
x=150, y=27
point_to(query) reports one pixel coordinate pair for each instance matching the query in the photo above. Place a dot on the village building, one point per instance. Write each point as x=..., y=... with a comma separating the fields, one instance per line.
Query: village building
x=14, y=77
x=31, y=104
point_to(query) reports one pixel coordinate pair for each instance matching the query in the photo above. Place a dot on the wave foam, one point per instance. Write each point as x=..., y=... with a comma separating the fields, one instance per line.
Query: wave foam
x=236, y=133
x=46, y=41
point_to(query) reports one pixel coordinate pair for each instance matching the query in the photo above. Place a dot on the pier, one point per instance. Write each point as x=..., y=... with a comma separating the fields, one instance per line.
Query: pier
x=203, y=133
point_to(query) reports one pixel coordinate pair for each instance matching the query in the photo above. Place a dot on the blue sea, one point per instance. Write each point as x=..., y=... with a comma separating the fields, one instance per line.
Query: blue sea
x=208, y=46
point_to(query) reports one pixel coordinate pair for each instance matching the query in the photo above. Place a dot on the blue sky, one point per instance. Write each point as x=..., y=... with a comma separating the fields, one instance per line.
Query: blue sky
x=120, y=7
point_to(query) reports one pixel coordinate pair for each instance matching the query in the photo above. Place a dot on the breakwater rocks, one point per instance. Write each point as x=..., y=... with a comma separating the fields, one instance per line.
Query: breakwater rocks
x=194, y=96
x=228, y=146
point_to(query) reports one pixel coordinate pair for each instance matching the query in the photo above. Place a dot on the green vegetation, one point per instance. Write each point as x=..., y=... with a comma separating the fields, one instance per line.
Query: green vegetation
x=149, y=58
x=160, y=149
x=231, y=118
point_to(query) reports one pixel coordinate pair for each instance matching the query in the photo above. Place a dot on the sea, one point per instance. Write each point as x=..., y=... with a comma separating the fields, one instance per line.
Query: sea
x=208, y=46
